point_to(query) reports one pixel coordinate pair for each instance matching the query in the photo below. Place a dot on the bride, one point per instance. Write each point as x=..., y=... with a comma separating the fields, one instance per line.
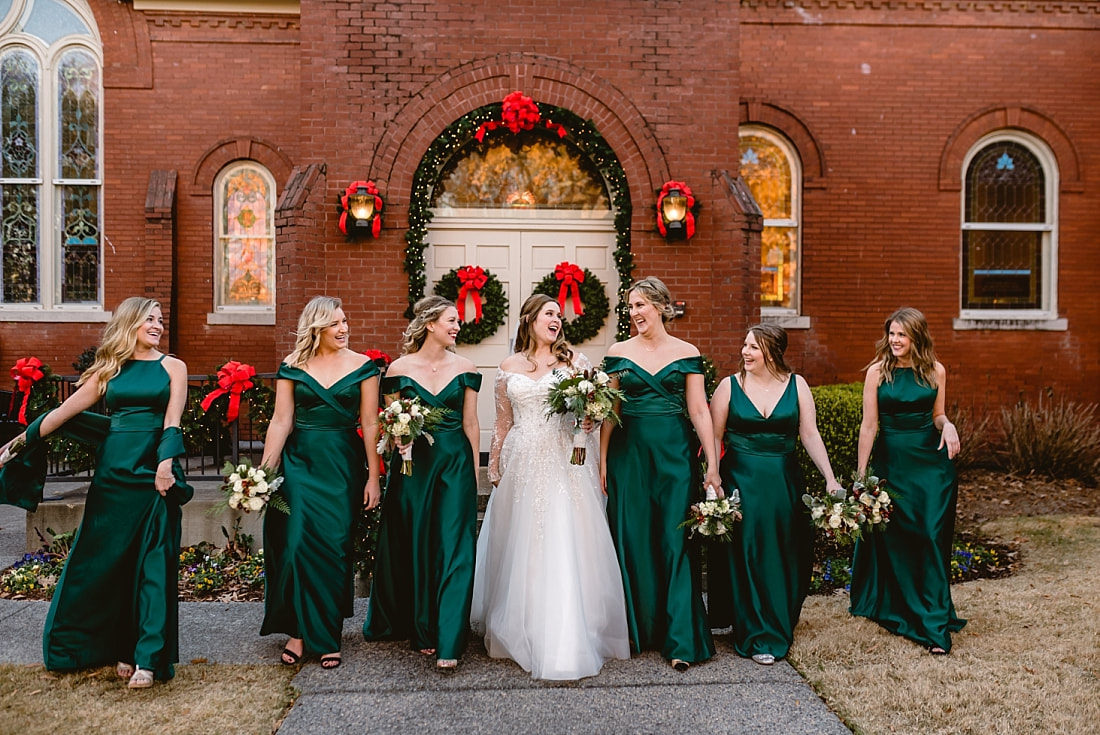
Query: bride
x=547, y=589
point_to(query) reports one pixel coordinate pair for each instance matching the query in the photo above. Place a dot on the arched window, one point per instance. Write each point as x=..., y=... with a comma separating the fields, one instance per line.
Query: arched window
x=1009, y=262
x=771, y=168
x=51, y=167
x=244, y=239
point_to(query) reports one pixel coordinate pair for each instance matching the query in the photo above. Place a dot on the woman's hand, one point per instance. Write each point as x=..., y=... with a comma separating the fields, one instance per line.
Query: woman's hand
x=12, y=448
x=714, y=480
x=372, y=494
x=836, y=490
x=949, y=436
x=589, y=425
x=165, y=480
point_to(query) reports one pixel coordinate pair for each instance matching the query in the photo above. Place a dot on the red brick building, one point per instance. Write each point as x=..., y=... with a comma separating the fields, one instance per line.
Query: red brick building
x=930, y=153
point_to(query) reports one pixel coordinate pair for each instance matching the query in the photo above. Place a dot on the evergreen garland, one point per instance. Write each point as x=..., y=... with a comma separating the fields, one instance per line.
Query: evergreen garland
x=581, y=132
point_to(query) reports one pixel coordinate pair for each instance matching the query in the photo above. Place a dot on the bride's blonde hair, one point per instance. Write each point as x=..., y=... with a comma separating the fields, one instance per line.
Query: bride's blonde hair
x=119, y=340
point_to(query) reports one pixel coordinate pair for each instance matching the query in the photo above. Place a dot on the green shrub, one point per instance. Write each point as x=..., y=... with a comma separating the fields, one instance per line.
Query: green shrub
x=839, y=414
x=1056, y=438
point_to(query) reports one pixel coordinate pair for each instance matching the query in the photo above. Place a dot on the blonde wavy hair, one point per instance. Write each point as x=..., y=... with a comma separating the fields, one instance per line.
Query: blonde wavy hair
x=119, y=340
x=655, y=292
x=425, y=311
x=921, y=351
x=525, y=333
x=316, y=317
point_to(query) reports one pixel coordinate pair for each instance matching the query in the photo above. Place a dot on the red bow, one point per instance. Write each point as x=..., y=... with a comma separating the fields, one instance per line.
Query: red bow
x=571, y=276
x=518, y=112
x=377, y=356
x=471, y=279
x=234, y=378
x=376, y=219
x=669, y=186
x=26, y=372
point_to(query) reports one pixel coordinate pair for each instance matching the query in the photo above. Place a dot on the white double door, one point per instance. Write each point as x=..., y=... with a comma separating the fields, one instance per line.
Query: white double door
x=520, y=253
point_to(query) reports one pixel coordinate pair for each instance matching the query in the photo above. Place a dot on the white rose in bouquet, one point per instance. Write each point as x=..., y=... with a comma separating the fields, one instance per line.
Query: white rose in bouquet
x=585, y=387
x=601, y=378
x=255, y=503
x=260, y=488
x=835, y=521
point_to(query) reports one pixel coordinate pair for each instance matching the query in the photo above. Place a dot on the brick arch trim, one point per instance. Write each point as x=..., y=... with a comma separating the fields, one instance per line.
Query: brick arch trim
x=546, y=80
x=237, y=149
x=796, y=131
x=1013, y=118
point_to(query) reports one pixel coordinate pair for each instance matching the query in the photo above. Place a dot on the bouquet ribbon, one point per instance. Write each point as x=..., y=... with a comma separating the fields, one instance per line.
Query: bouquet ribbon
x=686, y=191
x=26, y=372
x=571, y=276
x=234, y=378
x=471, y=279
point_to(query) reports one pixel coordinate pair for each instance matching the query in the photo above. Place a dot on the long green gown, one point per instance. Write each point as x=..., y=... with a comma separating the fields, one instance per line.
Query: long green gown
x=653, y=477
x=117, y=597
x=900, y=577
x=308, y=554
x=759, y=581
x=424, y=568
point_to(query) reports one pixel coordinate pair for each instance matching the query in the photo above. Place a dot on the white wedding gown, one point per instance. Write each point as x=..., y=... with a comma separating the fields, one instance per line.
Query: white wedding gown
x=548, y=593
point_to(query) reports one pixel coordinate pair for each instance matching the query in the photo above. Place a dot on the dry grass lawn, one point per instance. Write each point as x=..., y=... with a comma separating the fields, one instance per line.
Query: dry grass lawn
x=201, y=699
x=1027, y=662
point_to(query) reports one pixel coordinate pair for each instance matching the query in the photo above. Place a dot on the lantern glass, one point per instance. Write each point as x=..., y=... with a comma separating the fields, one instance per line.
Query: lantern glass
x=674, y=206
x=361, y=205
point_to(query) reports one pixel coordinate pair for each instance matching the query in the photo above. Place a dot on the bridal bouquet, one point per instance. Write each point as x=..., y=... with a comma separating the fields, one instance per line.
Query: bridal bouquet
x=251, y=488
x=865, y=510
x=714, y=517
x=584, y=394
x=406, y=419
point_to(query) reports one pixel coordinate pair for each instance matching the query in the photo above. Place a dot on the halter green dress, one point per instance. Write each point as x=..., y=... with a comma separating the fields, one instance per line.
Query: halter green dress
x=758, y=582
x=424, y=569
x=117, y=597
x=653, y=476
x=900, y=577
x=308, y=556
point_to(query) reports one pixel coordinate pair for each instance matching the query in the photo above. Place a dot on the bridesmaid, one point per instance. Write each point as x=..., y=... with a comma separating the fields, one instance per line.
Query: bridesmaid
x=650, y=470
x=116, y=599
x=900, y=578
x=758, y=582
x=424, y=570
x=324, y=394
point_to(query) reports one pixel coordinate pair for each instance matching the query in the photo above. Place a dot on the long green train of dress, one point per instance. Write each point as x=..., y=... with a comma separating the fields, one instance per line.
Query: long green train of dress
x=424, y=566
x=117, y=596
x=308, y=554
x=900, y=577
x=653, y=477
x=759, y=581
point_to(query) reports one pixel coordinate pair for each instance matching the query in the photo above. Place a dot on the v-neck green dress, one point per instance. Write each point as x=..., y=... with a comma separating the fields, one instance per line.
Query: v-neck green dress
x=901, y=576
x=653, y=477
x=758, y=582
x=308, y=553
x=424, y=565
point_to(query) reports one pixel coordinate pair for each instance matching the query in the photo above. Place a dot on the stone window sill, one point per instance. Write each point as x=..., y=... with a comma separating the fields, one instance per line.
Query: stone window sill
x=261, y=318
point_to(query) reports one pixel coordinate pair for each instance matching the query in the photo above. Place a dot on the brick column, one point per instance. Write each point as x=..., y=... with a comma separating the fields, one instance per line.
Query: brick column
x=160, y=246
x=300, y=267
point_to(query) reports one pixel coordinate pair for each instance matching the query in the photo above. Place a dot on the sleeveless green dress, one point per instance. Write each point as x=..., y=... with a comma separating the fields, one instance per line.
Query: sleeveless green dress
x=653, y=476
x=424, y=569
x=308, y=554
x=900, y=577
x=117, y=597
x=758, y=582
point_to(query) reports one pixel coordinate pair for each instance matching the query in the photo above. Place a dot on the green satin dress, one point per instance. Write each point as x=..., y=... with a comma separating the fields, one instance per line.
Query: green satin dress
x=653, y=476
x=424, y=570
x=758, y=582
x=308, y=554
x=900, y=577
x=117, y=597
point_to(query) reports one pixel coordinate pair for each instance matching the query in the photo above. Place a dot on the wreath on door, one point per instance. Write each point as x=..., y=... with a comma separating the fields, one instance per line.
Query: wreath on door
x=580, y=291
x=474, y=286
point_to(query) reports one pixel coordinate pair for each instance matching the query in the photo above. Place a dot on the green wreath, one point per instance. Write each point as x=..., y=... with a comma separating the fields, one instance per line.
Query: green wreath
x=494, y=306
x=593, y=298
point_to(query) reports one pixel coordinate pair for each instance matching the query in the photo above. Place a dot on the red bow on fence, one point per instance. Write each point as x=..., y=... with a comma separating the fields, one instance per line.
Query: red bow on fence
x=234, y=378
x=26, y=372
x=571, y=276
x=471, y=279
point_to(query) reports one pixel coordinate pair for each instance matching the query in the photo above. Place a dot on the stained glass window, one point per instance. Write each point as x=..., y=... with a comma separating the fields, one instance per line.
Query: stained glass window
x=531, y=170
x=1006, y=233
x=771, y=169
x=19, y=171
x=245, y=258
x=78, y=170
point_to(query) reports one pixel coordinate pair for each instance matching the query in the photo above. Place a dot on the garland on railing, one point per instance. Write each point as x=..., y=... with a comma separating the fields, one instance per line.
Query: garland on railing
x=581, y=132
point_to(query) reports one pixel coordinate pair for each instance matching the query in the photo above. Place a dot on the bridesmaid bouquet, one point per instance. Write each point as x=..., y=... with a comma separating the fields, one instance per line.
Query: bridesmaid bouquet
x=865, y=510
x=406, y=419
x=249, y=488
x=584, y=394
x=869, y=493
x=714, y=517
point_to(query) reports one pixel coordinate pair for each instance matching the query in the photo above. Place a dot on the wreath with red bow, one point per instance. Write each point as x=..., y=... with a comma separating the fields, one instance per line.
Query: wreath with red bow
x=578, y=291
x=479, y=296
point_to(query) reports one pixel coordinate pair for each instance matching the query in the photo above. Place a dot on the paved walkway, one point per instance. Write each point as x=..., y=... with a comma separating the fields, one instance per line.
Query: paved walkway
x=386, y=688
